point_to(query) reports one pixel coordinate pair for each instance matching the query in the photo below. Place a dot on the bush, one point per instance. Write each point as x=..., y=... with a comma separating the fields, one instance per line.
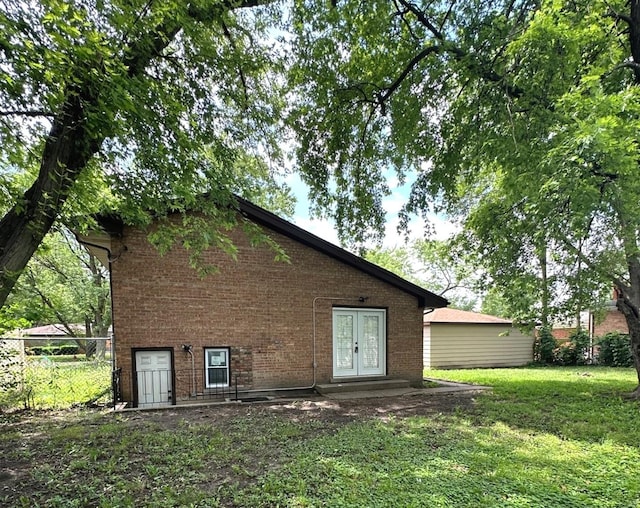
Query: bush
x=11, y=364
x=63, y=349
x=615, y=350
x=575, y=351
x=544, y=346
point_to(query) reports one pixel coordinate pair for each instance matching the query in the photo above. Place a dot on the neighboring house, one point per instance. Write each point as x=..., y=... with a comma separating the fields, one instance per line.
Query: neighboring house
x=612, y=321
x=461, y=339
x=608, y=319
x=55, y=334
x=47, y=334
x=326, y=316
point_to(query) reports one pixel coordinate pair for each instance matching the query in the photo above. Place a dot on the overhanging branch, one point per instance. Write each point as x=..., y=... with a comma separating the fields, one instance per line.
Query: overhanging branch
x=616, y=279
x=29, y=112
x=484, y=72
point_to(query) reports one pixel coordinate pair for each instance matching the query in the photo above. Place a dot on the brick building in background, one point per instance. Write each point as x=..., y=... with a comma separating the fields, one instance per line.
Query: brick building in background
x=613, y=320
x=607, y=320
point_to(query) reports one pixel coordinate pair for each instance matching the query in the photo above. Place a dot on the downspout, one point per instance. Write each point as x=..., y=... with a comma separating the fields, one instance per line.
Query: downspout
x=592, y=328
x=314, y=362
x=188, y=348
x=113, y=325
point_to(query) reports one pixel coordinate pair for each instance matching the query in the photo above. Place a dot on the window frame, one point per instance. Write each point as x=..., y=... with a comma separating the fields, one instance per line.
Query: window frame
x=227, y=367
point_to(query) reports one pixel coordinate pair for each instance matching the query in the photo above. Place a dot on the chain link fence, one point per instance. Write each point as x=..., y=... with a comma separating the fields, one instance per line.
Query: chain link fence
x=51, y=381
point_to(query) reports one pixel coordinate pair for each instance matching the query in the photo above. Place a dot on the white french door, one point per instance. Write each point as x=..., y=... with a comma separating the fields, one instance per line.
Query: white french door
x=359, y=339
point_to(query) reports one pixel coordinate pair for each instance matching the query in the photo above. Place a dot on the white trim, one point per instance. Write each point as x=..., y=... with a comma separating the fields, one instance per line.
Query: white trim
x=225, y=366
x=356, y=354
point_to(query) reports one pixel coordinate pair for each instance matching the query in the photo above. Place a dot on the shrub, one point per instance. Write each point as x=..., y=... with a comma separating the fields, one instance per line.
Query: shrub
x=544, y=346
x=10, y=365
x=615, y=350
x=64, y=349
x=575, y=351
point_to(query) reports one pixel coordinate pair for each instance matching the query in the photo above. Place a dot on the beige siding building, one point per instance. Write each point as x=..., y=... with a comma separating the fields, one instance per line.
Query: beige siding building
x=460, y=339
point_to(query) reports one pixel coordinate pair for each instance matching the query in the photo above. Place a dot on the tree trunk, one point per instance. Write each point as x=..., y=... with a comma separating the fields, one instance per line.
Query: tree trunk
x=544, y=318
x=68, y=148
x=632, y=316
x=71, y=142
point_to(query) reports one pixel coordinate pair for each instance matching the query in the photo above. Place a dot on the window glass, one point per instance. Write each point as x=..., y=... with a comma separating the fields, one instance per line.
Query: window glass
x=217, y=367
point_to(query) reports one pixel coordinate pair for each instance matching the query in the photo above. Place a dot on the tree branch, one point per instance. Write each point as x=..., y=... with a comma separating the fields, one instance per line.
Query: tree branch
x=487, y=74
x=624, y=65
x=243, y=80
x=29, y=112
x=617, y=16
x=407, y=70
x=617, y=280
x=45, y=299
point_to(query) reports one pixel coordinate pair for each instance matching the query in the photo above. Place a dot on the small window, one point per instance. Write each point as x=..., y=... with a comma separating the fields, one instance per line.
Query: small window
x=216, y=364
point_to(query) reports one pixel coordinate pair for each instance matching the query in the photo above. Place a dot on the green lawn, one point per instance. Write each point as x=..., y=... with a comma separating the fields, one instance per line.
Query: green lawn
x=544, y=437
x=47, y=383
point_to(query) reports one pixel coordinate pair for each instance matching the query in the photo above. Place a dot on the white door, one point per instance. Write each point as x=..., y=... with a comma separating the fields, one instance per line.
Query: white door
x=359, y=339
x=153, y=375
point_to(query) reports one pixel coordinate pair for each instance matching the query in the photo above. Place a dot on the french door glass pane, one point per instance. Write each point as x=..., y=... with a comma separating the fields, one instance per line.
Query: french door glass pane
x=370, y=336
x=345, y=342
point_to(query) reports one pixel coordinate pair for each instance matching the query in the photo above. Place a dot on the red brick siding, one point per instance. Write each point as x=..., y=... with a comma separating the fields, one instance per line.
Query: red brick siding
x=613, y=321
x=563, y=334
x=260, y=308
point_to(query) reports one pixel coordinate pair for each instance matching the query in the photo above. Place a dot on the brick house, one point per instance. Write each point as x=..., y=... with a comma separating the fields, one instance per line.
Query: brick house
x=612, y=321
x=257, y=324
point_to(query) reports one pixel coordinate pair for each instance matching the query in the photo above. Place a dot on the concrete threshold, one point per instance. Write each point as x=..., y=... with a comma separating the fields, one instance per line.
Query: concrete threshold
x=376, y=385
x=399, y=392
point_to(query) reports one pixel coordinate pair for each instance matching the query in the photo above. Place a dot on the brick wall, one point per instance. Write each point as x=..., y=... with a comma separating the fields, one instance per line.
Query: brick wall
x=613, y=321
x=260, y=308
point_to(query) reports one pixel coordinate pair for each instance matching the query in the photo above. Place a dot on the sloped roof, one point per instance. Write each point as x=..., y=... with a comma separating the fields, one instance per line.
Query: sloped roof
x=462, y=316
x=55, y=330
x=261, y=216
x=270, y=220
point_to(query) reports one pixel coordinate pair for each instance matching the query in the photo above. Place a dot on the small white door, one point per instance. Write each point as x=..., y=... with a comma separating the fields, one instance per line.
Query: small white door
x=359, y=339
x=153, y=375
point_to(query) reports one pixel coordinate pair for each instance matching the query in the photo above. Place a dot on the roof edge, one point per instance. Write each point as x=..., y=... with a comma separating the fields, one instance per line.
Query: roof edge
x=113, y=225
x=266, y=218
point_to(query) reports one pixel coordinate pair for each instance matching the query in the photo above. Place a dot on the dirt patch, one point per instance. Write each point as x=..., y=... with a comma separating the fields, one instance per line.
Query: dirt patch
x=66, y=454
x=330, y=412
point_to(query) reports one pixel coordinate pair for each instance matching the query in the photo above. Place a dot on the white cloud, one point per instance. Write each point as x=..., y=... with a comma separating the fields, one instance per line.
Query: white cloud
x=393, y=203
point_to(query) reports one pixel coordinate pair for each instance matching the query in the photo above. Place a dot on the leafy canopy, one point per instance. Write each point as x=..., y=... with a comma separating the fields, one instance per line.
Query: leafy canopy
x=519, y=117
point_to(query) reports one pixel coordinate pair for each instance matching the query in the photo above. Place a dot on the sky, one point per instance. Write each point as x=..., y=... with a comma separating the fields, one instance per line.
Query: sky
x=325, y=228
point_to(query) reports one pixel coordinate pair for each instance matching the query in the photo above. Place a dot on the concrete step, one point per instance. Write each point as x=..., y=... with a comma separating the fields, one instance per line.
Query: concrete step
x=361, y=386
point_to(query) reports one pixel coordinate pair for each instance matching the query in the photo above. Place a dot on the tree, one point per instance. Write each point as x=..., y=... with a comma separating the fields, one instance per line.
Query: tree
x=156, y=99
x=435, y=265
x=68, y=285
x=521, y=117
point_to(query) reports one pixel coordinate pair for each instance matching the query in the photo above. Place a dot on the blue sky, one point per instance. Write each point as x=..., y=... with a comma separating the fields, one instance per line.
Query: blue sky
x=392, y=204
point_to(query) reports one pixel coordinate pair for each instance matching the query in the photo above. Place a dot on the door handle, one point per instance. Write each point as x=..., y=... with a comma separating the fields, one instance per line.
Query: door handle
x=355, y=350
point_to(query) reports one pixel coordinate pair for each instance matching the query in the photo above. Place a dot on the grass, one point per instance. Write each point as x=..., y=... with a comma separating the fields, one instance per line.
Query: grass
x=581, y=403
x=80, y=357
x=553, y=437
x=47, y=384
